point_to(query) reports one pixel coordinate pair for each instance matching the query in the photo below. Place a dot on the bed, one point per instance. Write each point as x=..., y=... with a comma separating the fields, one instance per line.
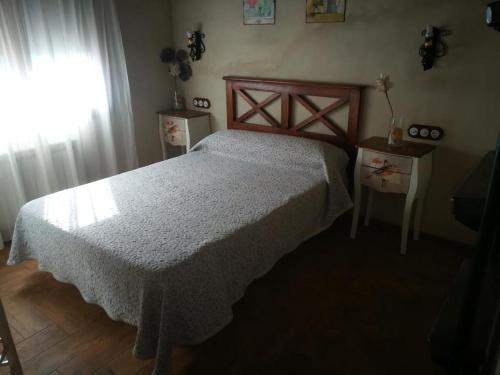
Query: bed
x=172, y=246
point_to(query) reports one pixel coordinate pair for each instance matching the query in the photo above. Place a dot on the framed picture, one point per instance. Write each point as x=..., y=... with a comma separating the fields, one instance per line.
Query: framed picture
x=325, y=11
x=259, y=12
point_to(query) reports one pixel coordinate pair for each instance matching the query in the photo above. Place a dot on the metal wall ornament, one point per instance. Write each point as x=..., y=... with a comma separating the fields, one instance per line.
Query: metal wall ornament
x=434, y=46
x=195, y=44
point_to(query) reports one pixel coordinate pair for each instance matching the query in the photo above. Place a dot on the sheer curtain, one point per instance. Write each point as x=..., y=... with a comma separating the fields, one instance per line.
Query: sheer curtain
x=65, y=112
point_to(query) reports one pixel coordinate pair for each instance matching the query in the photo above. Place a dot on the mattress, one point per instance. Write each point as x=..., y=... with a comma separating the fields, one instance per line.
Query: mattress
x=172, y=246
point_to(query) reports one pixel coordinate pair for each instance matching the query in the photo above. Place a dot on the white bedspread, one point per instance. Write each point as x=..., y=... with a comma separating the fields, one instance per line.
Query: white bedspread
x=172, y=246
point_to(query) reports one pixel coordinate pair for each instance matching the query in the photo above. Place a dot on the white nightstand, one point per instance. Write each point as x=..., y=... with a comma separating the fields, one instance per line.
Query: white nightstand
x=182, y=128
x=388, y=169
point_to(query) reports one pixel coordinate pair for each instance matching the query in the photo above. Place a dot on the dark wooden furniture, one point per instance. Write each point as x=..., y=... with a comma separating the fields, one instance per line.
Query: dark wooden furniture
x=186, y=113
x=291, y=92
x=412, y=149
x=469, y=199
x=466, y=336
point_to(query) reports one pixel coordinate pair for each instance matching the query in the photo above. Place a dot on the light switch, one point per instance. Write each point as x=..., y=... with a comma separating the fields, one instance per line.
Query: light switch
x=201, y=103
x=433, y=133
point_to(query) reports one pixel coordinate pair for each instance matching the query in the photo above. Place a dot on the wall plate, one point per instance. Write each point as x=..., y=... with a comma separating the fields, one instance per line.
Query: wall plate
x=432, y=133
x=202, y=103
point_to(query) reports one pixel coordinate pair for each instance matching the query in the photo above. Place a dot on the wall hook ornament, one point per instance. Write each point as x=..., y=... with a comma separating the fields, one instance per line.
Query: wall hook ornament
x=195, y=44
x=434, y=47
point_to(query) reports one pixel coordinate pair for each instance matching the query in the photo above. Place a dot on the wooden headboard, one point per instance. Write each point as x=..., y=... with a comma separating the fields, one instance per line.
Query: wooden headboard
x=290, y=92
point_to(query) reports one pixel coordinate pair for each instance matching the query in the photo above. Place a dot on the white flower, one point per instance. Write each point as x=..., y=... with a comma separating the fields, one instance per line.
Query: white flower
x=383, y=83
x=175, y=70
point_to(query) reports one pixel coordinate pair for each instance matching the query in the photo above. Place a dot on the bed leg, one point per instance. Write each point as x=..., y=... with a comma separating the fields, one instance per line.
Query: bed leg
x=357, y=194
x=369, y=205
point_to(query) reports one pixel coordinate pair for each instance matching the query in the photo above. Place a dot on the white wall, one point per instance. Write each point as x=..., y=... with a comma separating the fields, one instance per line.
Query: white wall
x=461, y=95
x=146, y=29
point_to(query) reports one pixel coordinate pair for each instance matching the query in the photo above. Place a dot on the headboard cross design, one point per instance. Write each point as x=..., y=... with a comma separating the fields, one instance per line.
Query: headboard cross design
x=258, y=108
x=319, y=115
x=297, y=91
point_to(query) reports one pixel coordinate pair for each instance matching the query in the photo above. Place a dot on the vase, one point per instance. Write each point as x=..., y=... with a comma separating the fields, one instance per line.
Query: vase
x=178, y=97
x=395, y=135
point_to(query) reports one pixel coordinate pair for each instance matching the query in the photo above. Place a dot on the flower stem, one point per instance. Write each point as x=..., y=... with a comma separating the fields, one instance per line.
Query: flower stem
x=389, y=101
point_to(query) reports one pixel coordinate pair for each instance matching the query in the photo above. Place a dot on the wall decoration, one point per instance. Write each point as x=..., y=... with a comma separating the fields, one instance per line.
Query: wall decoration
x=178, y=68
x=195, y=44
x=178, y=63
x=433, y=47
x=325, y=11
x=259, y=12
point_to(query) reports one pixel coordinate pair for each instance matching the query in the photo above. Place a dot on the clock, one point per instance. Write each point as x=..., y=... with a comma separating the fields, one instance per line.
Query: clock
x=493, y=15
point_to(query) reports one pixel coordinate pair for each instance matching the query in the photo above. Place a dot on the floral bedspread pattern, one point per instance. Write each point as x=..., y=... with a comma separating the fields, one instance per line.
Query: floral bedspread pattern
x=172, y=246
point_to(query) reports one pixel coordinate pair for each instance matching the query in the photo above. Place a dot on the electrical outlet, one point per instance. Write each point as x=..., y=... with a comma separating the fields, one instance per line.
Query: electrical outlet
x=201, y=103
x=431, y=133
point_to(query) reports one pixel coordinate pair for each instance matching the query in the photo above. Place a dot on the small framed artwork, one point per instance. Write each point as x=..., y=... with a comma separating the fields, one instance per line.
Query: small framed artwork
x=259, y=12
x=325, y=11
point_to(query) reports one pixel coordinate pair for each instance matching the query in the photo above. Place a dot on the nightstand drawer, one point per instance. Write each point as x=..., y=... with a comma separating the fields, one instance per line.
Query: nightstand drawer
x=395, y=163
x=181, y=128
x=385, y=181
x=175, y=134
x=170, y=121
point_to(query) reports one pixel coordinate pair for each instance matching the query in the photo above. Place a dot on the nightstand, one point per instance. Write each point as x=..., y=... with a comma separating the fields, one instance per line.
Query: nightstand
x=388, y=169
x=182, y=128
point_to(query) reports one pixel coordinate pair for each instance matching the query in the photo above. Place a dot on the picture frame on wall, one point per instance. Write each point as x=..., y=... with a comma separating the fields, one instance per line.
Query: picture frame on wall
x=325, y=11
x=259, y=12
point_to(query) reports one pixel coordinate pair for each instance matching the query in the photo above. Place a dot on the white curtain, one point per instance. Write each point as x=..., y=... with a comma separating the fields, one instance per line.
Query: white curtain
x=65, y=112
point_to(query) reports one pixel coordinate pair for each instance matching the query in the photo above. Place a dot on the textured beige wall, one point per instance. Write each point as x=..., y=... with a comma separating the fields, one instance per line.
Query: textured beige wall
x=146, y=29
x=461, y=95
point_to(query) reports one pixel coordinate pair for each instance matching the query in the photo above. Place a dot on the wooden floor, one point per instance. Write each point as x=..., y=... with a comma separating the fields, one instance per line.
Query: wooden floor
x=56, y=332
x=334, y=306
